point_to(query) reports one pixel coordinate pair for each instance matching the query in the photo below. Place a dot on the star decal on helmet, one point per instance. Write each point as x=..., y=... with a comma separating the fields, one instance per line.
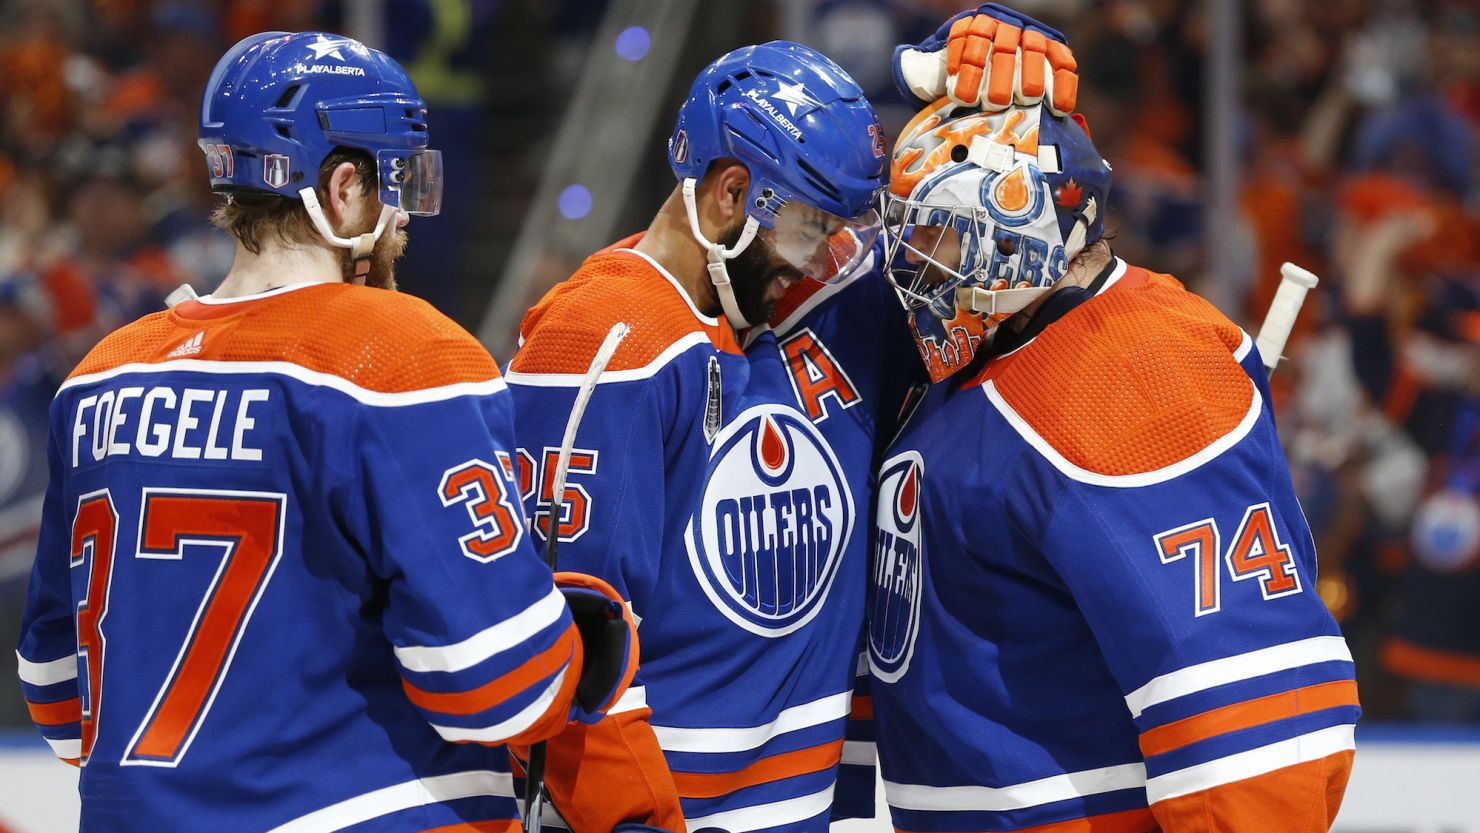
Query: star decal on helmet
x=329, y=48
x=794, y=96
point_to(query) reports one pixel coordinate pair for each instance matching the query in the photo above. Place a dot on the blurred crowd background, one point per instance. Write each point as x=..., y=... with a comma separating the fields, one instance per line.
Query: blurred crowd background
x=1355, y=142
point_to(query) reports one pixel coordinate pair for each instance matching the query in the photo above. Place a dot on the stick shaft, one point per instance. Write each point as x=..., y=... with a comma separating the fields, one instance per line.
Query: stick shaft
x=534, y=793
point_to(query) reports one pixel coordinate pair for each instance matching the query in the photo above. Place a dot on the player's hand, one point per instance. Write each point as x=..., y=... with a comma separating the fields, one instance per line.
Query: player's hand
x=991, y=57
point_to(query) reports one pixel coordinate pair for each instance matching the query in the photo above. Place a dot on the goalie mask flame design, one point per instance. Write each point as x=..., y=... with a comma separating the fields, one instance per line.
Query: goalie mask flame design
x=984, y=213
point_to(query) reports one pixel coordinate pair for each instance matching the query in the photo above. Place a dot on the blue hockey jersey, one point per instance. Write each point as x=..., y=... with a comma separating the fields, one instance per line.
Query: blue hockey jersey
x=725, y=493
x=284, y=581
x=1092, y=603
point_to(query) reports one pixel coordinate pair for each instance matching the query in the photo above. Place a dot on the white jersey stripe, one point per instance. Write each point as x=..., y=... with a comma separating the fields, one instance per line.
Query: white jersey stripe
x=1266, y=759
x=631, y=700
x=66, y=749
x=762, y=816
x=1206, y=675
x=574, y=380
x=860, y=752
x=514, y=725
x=404, y=796
x=486, y=643
x=301, y=374
x=46, y=673
x=817, y=712
x=1243, y=348
x=1016, y=796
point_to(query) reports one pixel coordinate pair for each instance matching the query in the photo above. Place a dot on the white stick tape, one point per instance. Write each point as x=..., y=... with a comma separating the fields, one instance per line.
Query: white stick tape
x=1280, y=320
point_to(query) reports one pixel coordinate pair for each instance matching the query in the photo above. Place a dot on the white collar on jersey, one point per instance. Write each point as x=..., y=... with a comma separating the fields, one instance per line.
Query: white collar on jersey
x=266, y=293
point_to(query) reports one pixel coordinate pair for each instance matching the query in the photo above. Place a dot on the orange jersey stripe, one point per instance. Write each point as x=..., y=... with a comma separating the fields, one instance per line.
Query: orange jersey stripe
x=557, y=715
x=484, y=697
x=1420, y=663
x=1302, y=798
x=764, y=771
x=863, y=708
x=1249, y=713
x=1128, y=821
x=59, y=713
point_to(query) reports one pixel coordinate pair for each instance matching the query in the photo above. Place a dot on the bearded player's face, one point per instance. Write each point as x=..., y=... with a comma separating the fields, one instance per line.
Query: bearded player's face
x=758, y=276
x=387, y=249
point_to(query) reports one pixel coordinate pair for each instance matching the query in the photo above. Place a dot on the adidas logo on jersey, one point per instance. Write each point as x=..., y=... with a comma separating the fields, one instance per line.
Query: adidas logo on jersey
x=190, y=347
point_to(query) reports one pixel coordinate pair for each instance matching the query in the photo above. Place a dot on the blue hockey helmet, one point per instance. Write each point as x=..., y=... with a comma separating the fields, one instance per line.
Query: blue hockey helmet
x=811, y=141
x=984, y=214
x=797, y=121
x=278, y=103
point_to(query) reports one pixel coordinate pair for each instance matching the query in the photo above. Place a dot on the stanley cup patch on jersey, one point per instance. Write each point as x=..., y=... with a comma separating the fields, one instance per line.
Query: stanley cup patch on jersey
x=895, y=577
x=713, y=402
x=773, y=521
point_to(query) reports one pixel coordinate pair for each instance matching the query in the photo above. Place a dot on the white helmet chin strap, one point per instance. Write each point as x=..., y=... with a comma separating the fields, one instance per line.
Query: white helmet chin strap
x=998, y=301
x=362, y=246
x=1007, y=301
x=718, y=254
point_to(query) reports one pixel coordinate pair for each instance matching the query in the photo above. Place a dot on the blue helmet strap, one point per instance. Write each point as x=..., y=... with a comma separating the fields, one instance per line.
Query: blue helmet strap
x=718, y=254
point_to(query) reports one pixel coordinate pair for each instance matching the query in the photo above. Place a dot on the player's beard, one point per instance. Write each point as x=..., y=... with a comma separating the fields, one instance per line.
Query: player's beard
x=752, y=273
x=383, y=257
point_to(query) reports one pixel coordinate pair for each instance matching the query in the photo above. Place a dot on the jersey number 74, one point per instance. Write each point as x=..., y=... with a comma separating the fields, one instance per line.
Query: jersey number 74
x=1255, y=553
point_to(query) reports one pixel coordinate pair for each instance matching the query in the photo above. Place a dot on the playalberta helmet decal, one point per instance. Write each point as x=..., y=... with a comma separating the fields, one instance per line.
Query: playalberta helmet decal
x=772, y=523
x=896, y=573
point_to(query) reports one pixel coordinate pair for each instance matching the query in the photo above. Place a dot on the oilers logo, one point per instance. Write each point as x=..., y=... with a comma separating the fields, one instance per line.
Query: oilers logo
x=772, y=523
x=895, y=575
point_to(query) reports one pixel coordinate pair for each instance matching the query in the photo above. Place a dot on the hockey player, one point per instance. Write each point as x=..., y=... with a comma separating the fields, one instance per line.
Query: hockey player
x=283, y=579
x=726, y=493
x=1092, y=600
x=701, y=488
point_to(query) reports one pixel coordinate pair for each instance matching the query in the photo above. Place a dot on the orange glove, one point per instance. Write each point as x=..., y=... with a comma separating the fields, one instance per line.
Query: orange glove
x=991, y=58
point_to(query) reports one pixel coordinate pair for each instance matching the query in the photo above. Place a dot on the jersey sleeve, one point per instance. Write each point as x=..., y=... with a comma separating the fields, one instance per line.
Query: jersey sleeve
x=1198, y=582
x=47, y=654
x=612, y=527
x=485, y=643
x=615, y=502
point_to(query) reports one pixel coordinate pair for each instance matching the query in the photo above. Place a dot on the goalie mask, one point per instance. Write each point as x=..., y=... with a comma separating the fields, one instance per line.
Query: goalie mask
x=984, y=213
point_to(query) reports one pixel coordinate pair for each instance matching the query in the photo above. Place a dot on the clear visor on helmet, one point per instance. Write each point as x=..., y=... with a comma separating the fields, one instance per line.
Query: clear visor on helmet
x=411, y=180
x=820, y=245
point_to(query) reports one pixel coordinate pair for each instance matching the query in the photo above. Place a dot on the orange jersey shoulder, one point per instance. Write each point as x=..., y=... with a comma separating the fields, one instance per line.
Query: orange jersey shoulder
x=1134, y=380
x=562, y=332
x=382, y=341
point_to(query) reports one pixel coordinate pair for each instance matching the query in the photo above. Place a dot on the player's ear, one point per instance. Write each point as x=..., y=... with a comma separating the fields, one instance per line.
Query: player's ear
x=732, y=182
x=343, y=193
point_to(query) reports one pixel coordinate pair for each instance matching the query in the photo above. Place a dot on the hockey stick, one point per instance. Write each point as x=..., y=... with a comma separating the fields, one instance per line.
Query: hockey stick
x=534, y=785
x=1280, y=320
